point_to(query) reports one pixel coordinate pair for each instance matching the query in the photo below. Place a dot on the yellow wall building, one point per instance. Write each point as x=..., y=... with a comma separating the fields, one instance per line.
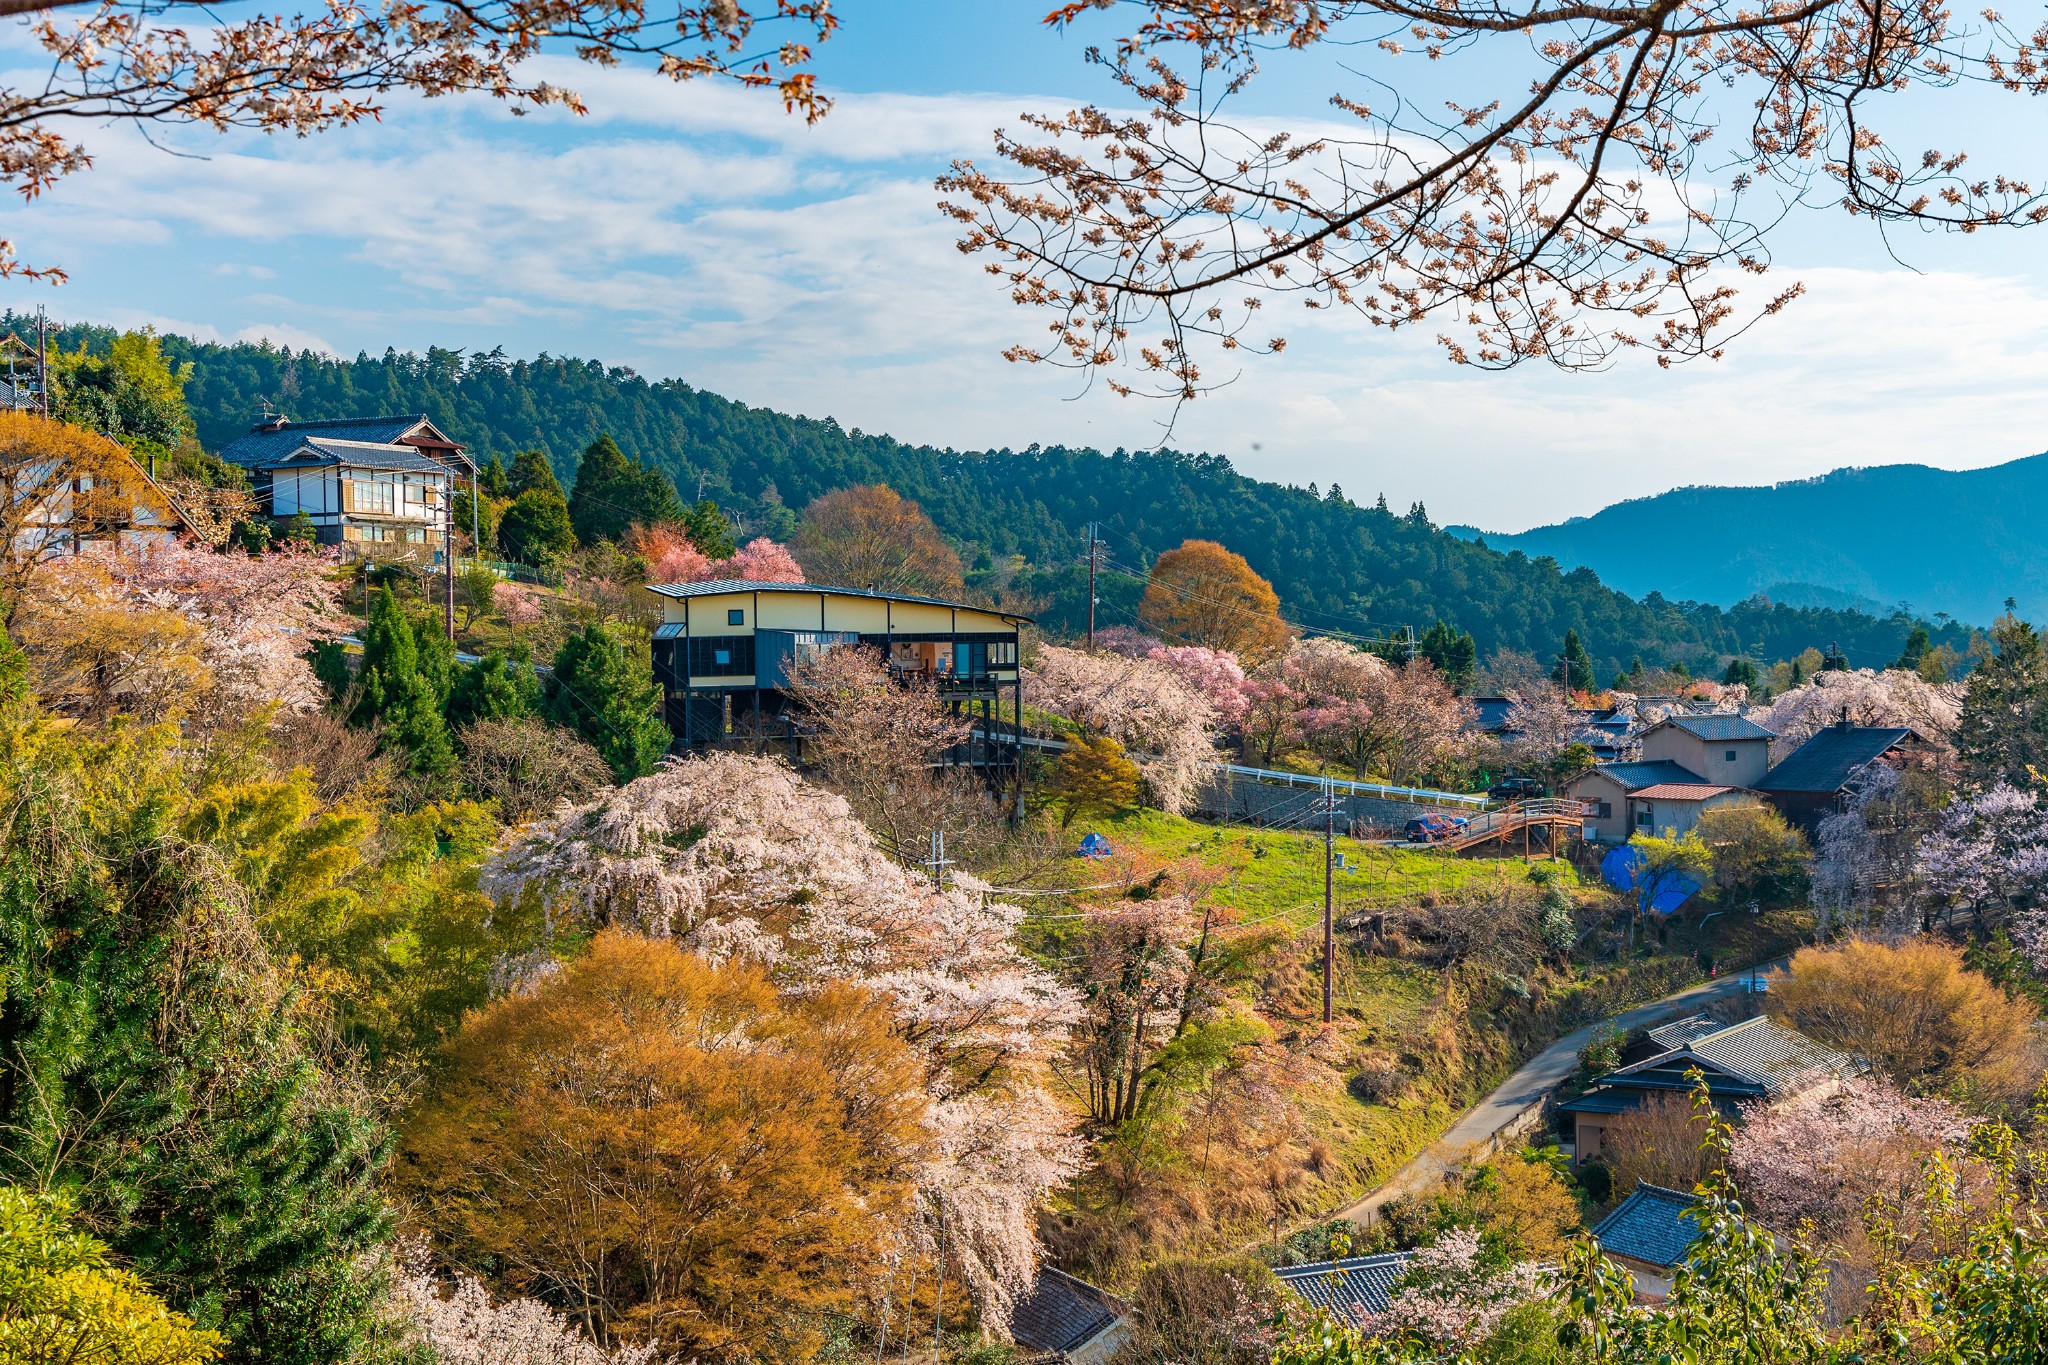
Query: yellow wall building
x=723, y=650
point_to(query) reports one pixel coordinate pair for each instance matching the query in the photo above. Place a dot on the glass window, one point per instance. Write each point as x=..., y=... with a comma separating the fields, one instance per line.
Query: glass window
x=1003, y=654
x=1730, y=756
x=721, y=656
x=736, y=617
x=372, y=496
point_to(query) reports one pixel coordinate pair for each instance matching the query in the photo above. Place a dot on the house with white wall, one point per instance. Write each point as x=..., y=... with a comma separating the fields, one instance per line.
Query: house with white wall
x=375, y=485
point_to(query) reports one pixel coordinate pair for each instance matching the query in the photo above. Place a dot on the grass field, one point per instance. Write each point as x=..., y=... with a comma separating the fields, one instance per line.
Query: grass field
x=1280, y=872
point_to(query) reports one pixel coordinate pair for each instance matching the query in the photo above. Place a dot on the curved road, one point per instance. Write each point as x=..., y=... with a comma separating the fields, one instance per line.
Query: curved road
x=1526, y=1089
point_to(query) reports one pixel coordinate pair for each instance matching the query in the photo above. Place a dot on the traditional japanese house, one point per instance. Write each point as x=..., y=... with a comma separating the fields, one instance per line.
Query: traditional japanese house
x=1756, y=1061
x=377, y=485
x=723, y=650
x=1812, y=780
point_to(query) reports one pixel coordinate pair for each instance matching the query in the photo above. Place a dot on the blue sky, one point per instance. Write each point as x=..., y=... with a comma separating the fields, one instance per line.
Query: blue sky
x=699, y=233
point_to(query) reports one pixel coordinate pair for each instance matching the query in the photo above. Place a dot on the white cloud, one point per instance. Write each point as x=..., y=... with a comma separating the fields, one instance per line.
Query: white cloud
x=698, y=232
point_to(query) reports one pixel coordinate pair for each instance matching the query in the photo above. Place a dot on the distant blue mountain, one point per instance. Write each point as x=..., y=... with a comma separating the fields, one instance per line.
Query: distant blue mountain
x=1959, y=542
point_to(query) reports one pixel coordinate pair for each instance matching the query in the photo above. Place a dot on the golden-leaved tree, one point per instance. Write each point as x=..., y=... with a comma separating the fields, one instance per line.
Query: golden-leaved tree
x=673, y=1149
x=1204, y=594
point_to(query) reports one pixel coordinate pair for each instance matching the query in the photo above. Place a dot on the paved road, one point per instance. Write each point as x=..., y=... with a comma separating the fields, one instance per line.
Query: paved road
x=1527, y=1088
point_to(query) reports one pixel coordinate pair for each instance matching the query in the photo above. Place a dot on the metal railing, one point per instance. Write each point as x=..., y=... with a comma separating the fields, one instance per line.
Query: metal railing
x=1277, y=777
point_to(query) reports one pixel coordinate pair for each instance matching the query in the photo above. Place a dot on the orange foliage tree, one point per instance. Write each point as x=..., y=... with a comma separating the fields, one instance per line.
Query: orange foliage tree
x=672, y=1150
x=1203, y=594
x=61, y=486
x=873, y=537
x=1914, y=1010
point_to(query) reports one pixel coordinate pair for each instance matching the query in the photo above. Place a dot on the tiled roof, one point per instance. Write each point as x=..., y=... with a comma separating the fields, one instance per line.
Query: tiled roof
x=263, y=448
x=1492, y=713
x=1826, y=762
x=1348, y=1288
x=1647, y=773
x=1681, y=791
x=1679, y=1032
x=1766, y=1055
x=1653, y=1225
x=1062, y=1313
x=1719, y=726
x=724, y=585
x=315, y=452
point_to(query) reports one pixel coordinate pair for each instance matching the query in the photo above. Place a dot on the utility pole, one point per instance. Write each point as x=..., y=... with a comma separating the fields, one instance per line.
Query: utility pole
x=938, y=862
x=448, y=555
x=1329, y=917
x=1093, y=542
x=1411, y=644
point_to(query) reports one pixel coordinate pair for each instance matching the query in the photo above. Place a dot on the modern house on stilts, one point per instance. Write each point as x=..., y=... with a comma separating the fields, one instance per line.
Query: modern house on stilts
x=723, y=650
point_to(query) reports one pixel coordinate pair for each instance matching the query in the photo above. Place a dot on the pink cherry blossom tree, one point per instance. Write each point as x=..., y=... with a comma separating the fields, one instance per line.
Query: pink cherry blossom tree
x=1165, y=725
x=1821, y=1159
x=736, y=855
x=1215, y=673
x=1989, y=859
x=760, y=560
x=1455, y=1293
x=460, y=1325
x=253, y=619
x=672, y=557
x=1890, y=698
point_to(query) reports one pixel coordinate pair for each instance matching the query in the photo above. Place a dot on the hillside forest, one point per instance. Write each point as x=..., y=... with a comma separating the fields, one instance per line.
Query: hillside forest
x=377, y=984
x=1341, y=563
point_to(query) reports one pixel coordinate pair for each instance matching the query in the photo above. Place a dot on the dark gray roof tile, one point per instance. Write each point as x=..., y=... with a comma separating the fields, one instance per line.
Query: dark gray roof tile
x=1062, y=1313
x=1826, y=762
x=1350, y=1288
x=1718, y=726
x=1653, y=1225
x=263, y=448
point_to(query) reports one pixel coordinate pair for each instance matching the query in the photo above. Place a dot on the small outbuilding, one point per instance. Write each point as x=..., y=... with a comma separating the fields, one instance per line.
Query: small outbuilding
x=1649, y=1234
x=1351, y=1288
x=1070, y=1320
x=1811, y=780
x=1667, y=809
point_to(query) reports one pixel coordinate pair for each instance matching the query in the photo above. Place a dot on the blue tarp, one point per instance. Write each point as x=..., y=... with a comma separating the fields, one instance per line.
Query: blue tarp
x=1094, y=846
x=1673, y=889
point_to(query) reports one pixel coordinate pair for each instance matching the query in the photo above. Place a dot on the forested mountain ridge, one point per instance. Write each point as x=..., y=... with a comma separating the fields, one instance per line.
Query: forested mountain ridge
x=1337, y=564
x=1954, y=541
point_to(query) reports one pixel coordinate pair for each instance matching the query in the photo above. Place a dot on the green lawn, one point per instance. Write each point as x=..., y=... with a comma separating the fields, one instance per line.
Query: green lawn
x=1280, y=872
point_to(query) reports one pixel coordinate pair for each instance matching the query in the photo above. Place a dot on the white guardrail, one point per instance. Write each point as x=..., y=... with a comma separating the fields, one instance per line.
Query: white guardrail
x=1275, y=776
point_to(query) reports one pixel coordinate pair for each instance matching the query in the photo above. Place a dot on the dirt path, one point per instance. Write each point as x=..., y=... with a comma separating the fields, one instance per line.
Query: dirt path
x=1524, y=1092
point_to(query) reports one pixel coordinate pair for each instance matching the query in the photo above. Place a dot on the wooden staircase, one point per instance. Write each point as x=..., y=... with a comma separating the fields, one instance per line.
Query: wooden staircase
x=1550, y=819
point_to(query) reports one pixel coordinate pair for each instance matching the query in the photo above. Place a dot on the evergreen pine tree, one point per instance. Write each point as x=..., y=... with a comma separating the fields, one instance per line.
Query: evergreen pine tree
x=1574, y=670
x=1740, y=673
x=493, y=478
x=330, y=666
x=1453, y=652
x=405, y=685
x=535, y=528
x=531, y=472
x=2003, y=735
x=609, y=696
x=1918, y=645
x=300, y=530
x=499, y=687
x=709, y=530
x=614, y=492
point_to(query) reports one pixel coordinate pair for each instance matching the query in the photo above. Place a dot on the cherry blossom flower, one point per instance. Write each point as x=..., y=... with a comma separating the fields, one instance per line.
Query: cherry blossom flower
x=1892, y=697
x=737, y=856
x=1161, y=721
x=460, y=1325
x=1455, y=1293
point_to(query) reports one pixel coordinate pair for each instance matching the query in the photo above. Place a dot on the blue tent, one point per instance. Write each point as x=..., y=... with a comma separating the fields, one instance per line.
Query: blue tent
x=1673, y=889
x=1094, y=846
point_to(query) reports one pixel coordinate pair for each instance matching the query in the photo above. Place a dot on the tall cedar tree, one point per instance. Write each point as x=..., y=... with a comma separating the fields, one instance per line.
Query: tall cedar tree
x=709, y=530
x=154, y=1066
x=614, y=492
x=533, y=473
x=493, y=477
x=405, y=680
x=609, y=696
x=1204, y=594
x=1574, y=670
x=2003, y=736
x=1454, y=653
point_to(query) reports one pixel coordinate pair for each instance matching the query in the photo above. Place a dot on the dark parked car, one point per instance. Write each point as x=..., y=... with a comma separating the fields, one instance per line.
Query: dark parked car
x=1428, y=829
x=1515, y=789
